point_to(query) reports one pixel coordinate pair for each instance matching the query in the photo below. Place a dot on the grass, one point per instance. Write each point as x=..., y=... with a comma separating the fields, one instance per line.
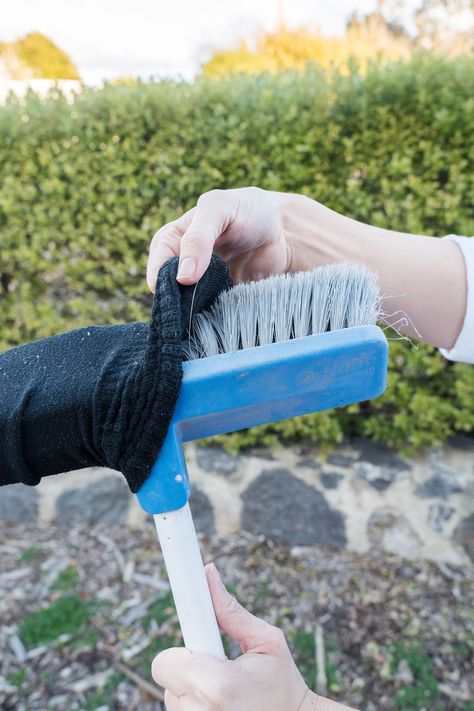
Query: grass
x=87, y=637
x=71, y=615
x=423, y=692
x=17, y=678
x=232, y=588
x=163, y=610
x=30, y=554
x=101, y=697
x=66, y=580
x=304, y=646
x=462, y=650
x=68, y=615
x=142, y=662
x=263, y=591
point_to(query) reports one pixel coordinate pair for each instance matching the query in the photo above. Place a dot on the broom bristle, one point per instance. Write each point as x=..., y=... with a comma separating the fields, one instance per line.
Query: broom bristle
x=283, y=307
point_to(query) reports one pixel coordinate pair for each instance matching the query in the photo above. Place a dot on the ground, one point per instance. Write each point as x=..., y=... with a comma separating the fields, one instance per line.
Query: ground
x=84, y=610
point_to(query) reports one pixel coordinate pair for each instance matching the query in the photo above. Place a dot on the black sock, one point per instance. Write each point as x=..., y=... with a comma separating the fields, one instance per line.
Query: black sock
x=103, y=395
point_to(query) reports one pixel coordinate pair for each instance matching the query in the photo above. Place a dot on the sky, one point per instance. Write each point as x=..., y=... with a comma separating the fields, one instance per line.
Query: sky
x=115, y=38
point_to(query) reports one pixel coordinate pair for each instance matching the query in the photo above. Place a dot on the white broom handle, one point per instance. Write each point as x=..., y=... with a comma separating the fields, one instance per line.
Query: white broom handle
x=185, y=568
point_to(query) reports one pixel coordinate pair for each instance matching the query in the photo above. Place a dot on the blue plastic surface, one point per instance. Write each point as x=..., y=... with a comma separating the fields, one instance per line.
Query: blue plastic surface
x=232, y=391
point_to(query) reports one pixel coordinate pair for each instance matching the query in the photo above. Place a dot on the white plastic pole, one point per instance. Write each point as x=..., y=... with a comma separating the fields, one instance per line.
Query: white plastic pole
x=188, y=581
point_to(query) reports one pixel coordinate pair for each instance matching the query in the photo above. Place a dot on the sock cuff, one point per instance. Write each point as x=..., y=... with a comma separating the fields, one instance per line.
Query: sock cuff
x=138, y=412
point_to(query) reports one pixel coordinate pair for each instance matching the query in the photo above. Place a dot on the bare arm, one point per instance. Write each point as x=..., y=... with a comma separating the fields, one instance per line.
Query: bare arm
x=260, y=233
x=422, y=277
x=313, y=702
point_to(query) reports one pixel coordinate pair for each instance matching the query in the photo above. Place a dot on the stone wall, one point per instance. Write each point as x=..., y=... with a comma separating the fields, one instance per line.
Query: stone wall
x=362, y=496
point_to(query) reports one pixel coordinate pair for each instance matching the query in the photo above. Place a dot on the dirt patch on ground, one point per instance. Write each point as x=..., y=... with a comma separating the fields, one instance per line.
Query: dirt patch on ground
x=84, y=610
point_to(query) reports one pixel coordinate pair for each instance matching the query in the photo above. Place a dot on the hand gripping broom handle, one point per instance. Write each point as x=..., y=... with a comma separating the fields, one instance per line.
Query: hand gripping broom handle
x=228, y=392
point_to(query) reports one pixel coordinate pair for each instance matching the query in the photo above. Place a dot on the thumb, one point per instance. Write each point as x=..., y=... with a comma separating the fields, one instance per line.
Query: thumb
x=252, y=633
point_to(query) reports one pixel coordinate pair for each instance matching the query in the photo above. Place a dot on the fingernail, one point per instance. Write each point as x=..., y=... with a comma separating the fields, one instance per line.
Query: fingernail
x=187, y=268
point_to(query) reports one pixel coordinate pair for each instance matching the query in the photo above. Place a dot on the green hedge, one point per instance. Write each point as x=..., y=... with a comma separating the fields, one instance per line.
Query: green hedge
x=83, y=186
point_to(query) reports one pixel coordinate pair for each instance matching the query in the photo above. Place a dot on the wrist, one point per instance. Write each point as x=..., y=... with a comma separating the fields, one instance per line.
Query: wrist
x=317, y=235
x=305, y=704
x=313, y=702
x=415, y=273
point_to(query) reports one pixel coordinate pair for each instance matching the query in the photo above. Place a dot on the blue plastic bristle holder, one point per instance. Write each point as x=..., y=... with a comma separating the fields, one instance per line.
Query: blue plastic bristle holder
x=232, y=391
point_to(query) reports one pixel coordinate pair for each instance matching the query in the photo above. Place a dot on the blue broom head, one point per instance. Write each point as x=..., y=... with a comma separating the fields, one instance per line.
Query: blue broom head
x=268, y=350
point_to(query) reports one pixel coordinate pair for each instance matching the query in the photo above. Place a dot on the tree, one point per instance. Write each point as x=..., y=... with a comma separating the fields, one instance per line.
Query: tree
x=387, y=33
x=435, y=25
x=445, y=25
x=36, y=56
x=284, y=49
x=373, y=36
x=293, y=49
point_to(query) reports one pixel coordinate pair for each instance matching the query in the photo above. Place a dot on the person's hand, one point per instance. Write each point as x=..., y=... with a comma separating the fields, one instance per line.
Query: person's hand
x=246, y=227
x=259, y=233
x=264, y=678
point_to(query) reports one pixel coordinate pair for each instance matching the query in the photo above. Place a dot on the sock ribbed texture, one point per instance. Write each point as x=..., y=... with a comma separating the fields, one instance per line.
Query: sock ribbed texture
x=103, y=395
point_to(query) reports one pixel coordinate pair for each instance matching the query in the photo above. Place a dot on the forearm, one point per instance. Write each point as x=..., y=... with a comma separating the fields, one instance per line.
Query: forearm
x=420, y=278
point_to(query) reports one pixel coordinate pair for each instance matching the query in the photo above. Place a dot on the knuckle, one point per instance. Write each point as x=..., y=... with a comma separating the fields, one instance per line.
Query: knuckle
x=163, y=230
x=233, y=605
x=171, y=702
x=211, y=195
x=277, y=636
x=197, y=664
x=223, y=690
x=193, y=241
x=165, y=239
x=254, y=191
x=169, y=231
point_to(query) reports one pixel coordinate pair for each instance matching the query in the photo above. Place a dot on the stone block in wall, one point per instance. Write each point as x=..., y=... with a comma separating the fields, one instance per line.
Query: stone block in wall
x=464, y=534
x=289, y=512
x=106, y=500
x=18, y=502
x=338, y=459
x=441, y=485
x=331, y=480
x=390, y=532
x=378, y=465
x=216, y=460
x=203, y=514
x=378, y=454
x=310, y=463
x=439, y=515
x=462, y=442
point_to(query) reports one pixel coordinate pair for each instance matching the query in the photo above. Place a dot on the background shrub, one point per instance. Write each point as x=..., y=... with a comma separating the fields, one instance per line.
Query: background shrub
x=83, y=187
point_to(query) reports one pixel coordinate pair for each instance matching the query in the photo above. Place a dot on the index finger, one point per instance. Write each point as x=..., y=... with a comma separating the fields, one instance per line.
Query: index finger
x=166, y=243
